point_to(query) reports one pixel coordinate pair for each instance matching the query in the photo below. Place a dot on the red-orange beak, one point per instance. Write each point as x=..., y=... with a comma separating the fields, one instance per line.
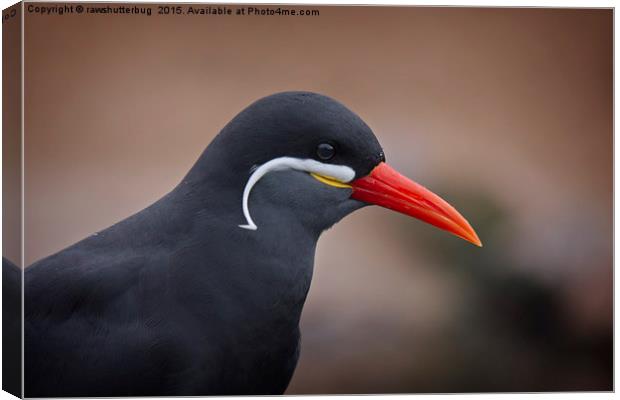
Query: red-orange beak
x=385, y=187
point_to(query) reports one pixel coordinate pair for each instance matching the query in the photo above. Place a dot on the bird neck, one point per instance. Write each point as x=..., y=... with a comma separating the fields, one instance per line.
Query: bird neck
x=262, y=276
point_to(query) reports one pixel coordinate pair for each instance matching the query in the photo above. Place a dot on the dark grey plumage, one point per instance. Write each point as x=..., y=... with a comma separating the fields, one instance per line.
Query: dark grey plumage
x=11, y=328
x=177, y=299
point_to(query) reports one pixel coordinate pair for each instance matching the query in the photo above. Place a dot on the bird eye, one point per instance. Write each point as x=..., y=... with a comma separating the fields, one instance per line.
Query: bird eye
x=325, y=151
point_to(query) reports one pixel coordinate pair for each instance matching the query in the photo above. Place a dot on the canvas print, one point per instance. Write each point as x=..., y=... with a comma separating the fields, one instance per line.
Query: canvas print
x=235, y=199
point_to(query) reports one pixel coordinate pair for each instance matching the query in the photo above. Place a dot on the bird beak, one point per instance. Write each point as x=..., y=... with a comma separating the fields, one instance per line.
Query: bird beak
x=385, y=187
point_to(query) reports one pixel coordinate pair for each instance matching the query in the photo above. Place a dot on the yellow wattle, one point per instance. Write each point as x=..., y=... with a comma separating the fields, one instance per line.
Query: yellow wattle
x=329, y=181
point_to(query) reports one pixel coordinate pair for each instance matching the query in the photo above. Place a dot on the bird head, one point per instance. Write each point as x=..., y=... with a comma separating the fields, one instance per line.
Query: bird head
x=313, y=159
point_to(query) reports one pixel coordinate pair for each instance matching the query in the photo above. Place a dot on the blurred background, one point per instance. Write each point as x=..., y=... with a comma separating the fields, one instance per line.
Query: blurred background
x=506, y=113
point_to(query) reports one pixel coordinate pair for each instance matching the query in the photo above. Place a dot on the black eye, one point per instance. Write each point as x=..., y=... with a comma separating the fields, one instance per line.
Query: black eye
x=325, y=151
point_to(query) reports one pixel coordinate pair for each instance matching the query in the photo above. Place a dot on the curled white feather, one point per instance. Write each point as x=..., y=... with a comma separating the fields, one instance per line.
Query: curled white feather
x=339, y=172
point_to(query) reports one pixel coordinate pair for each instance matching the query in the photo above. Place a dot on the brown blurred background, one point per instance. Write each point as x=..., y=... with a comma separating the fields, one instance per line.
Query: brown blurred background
x=507, y=113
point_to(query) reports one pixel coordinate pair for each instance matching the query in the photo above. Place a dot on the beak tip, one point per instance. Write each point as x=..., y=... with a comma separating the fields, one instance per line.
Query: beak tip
x=473, y=239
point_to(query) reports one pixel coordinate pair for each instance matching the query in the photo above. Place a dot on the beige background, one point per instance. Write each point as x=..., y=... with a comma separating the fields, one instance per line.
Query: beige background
x=507, y=113
x=11, y=135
